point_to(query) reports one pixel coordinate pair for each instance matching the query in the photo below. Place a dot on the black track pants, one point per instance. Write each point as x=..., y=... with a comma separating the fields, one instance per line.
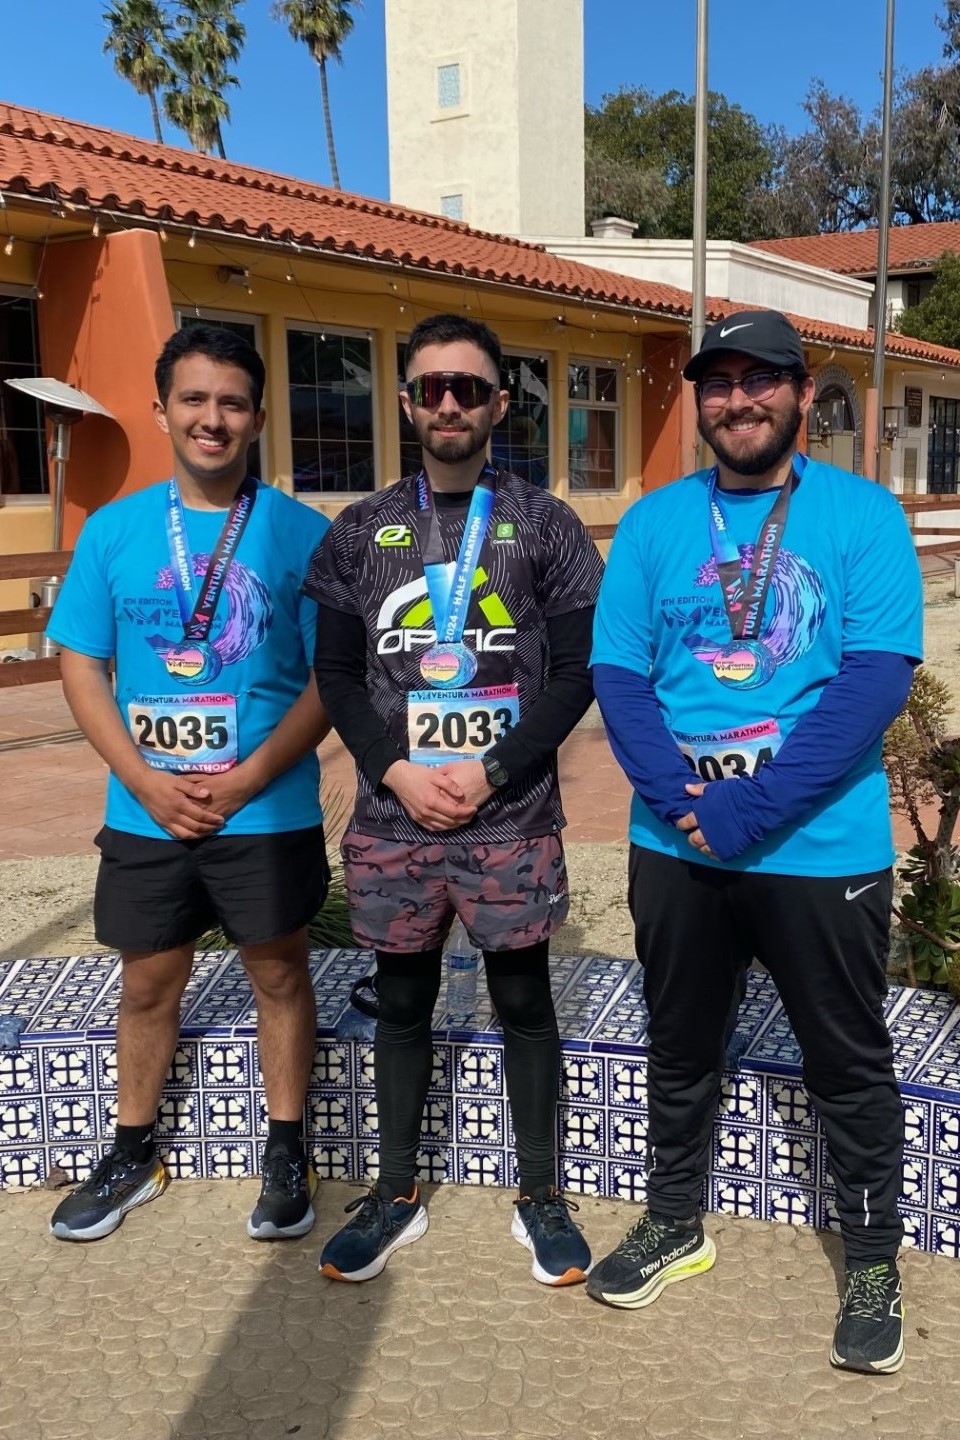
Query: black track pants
x=519, y=984
x=824, y=942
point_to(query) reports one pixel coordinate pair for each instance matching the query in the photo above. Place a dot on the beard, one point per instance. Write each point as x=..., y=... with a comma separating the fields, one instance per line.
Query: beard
x=770, y=448
x=452, y=449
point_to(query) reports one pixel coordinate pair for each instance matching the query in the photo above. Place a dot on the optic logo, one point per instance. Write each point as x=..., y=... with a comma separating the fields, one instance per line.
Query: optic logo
x=392, y=536
x=406, y=615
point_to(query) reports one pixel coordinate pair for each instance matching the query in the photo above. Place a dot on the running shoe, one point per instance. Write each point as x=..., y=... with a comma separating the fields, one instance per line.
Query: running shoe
x=283, y=1210
x=655, y=1252
x=361, y=1249
x=116, y=1185
x=869, y=1333
x=561, y=1256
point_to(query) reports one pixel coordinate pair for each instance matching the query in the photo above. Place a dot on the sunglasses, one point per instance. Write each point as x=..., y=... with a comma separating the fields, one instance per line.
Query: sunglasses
x=469, y=391
x=761, y=385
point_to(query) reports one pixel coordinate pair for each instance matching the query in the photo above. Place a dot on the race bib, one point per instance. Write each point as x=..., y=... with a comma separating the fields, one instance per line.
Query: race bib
x=175, y=733
x=444, y=725
x=727, y=754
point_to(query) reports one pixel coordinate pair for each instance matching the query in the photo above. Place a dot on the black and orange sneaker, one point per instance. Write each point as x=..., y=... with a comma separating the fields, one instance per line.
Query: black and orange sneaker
x=542, y=1223
x=361, y=1249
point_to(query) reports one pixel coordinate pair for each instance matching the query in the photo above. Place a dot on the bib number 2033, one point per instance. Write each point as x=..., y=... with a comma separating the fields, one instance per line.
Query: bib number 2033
x=458, y=725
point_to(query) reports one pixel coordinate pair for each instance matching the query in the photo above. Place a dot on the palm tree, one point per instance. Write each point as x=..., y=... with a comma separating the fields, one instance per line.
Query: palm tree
x=137, y=41
x=322, y=25
x=210, y=40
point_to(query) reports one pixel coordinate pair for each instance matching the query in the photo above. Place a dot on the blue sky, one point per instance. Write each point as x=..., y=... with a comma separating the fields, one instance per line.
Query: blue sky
x=763, y=55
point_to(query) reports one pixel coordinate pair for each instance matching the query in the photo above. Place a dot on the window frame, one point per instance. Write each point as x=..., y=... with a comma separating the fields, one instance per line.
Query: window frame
x=317, y=327
x=44, y=496
x=607, y=406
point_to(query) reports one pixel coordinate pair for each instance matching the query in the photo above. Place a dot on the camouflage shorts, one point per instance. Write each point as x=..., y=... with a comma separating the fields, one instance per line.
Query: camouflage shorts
x=404, y=898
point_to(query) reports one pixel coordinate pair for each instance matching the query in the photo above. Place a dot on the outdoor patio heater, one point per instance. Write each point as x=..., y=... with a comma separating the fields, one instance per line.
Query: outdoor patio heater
x=63, y=406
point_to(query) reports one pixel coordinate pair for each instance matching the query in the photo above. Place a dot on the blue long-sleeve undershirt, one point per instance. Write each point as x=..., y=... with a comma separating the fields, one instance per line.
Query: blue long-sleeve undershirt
x=853, y=711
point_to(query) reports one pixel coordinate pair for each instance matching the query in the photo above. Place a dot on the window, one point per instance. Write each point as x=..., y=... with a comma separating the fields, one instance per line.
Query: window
x=593, y=427
x=943, y=446
x=448, y=87
x=521, y=442
x=23, y=448
x=331, y=410
x=247, y=330
x=410, y=455
x=451, y=206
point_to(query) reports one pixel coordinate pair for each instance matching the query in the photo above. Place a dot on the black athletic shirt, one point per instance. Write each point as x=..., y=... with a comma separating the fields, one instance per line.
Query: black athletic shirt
x=537, y=565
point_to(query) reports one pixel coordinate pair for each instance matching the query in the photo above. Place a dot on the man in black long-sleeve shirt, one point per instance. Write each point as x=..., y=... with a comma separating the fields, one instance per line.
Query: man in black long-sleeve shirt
x=453, y=639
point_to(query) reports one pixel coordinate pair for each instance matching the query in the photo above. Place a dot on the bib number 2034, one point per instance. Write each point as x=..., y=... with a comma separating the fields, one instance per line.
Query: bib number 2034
x=731, y=754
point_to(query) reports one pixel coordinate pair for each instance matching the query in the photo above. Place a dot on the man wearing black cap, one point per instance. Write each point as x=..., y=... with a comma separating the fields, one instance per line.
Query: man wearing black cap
x=756, y=633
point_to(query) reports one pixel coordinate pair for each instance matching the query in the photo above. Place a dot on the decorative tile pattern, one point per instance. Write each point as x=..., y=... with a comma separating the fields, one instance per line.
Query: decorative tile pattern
x=58, y=1091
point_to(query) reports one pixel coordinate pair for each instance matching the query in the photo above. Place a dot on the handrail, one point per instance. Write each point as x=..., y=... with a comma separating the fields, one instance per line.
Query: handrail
x=38, y=564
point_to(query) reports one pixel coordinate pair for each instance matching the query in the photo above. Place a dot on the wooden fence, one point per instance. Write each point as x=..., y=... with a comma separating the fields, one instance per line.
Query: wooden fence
x=32, y=620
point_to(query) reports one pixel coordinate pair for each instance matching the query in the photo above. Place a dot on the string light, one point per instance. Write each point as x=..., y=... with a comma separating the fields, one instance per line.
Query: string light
x=163, y=236
x=193, y=240
x=8, y=248
x=95, y=232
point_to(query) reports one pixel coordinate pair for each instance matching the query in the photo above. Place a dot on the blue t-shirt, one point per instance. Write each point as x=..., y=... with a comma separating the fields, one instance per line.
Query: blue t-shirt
x=119, y=600
x=846, y=579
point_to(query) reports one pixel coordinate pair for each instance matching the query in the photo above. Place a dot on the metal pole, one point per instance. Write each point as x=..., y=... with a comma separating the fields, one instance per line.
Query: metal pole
x=883, y=236
x=699, y=286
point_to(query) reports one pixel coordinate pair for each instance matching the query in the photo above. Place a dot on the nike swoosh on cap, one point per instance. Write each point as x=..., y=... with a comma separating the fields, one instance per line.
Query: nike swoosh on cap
x=730, y=329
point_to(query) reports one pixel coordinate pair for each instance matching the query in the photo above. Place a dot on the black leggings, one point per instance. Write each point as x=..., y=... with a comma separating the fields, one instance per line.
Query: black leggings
x=519, y=984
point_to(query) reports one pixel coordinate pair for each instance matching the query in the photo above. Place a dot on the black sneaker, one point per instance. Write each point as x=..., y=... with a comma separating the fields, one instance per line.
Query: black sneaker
x=283, y=1210
x=869, y=1333
x=657, y=1251
x=362, y=1248
x=561, y=1256
x=117, y=1184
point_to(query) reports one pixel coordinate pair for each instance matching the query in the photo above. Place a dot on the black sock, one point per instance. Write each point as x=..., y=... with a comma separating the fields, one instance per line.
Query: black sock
x=285, y=1135
x=136, y=1141
x=389, y=1192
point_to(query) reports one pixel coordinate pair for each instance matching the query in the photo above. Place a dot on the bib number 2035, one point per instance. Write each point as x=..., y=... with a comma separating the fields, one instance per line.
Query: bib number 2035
x=185, y=737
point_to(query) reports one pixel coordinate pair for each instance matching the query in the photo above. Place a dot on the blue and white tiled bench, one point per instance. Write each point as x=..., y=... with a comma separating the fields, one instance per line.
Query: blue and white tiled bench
x=58, y=1090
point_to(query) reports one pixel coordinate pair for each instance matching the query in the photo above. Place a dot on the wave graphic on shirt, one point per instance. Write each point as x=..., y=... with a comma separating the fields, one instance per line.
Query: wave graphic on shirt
x=249, y=612
x=793, y=611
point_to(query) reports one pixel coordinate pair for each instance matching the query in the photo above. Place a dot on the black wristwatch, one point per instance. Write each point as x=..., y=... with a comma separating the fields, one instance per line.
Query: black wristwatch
x=495, y=772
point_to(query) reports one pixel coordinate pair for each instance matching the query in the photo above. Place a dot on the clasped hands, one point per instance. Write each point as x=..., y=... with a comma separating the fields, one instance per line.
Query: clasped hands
x=689, y=823
x=439, y=797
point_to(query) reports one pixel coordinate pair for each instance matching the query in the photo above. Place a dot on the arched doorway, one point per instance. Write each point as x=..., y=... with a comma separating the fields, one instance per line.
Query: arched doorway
x=832, y=428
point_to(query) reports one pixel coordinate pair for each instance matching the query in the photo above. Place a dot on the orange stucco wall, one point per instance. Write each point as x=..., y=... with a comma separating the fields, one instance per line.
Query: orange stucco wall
x=662, y=456
x=105, y=315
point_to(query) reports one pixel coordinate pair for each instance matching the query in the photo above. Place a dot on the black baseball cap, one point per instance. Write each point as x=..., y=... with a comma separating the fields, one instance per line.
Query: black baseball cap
x=761, y=334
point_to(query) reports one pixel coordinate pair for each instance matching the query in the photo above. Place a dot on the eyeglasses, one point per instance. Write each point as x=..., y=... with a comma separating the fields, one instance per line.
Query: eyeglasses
x=469, y=391
x=760, y=385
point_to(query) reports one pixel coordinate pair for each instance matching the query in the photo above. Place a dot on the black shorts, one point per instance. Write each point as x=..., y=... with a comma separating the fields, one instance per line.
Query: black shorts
x=156, y=895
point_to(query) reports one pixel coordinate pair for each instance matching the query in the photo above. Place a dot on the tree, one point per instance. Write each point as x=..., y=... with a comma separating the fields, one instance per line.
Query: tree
x=937, y=317
x=210, y=39
x=323, y=26
x=139, y=33
x=653, y=137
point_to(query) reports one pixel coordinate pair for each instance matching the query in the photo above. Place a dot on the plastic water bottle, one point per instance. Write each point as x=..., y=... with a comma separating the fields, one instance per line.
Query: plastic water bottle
x=463, y=959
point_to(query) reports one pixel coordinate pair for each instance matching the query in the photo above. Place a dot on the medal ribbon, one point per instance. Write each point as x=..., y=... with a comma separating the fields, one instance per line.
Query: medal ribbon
x=198, y=605
x=744, y=600
x=450, y=602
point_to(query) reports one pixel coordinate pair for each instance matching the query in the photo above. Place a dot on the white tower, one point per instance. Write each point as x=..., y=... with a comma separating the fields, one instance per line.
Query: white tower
x=485, y=109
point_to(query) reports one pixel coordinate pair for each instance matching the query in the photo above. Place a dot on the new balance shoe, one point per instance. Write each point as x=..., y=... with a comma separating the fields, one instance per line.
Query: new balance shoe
x=869, y=1333
x=284, y=1209
x=117, y=1184
x=362, y=1248
x=654, y=1253
x=561, y=1256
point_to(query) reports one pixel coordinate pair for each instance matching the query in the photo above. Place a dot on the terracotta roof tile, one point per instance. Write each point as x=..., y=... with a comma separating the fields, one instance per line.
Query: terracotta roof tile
x=855, y=251
x=85, y=165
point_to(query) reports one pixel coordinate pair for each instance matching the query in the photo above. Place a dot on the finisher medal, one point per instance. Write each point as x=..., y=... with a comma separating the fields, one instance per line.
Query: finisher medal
x=193, y=662
x=452, y=664
x=744, y=664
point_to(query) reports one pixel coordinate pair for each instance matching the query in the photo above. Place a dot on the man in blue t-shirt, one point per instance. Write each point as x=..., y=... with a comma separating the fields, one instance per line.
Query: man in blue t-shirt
x=756, y=633
x=191, y=588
